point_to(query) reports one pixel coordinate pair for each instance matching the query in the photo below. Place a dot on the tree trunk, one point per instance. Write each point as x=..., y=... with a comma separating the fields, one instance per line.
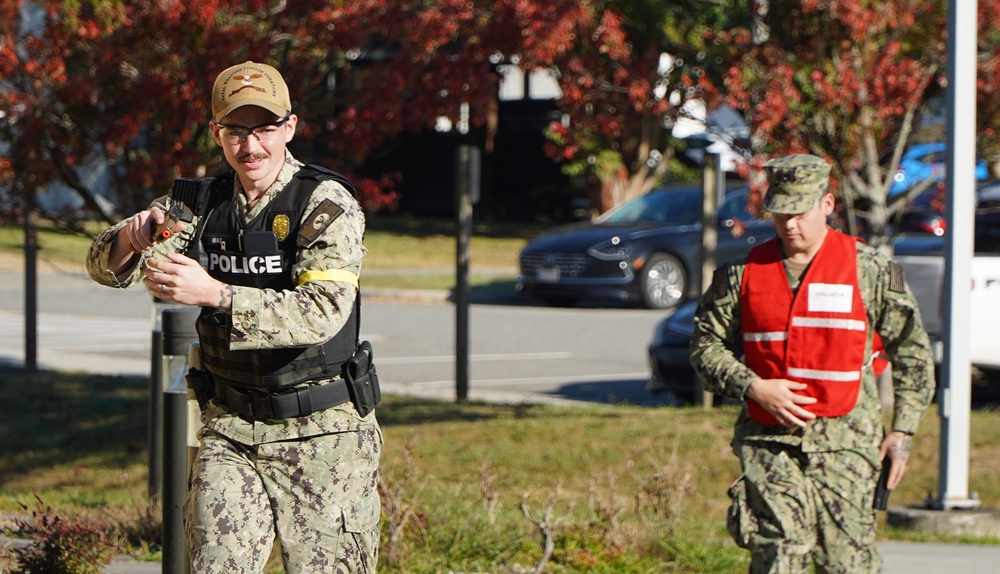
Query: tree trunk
x=876, y=231
x=613, y=190
x=993, y=166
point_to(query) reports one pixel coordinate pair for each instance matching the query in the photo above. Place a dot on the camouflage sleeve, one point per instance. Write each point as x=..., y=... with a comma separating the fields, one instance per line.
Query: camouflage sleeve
x=319, y=306
x=896, y=317
x=100, y=249
x=716, y=343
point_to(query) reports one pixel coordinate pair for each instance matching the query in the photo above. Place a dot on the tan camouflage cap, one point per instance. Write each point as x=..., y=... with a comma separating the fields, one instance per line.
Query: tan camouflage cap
x=797, y=182
x=250, y=84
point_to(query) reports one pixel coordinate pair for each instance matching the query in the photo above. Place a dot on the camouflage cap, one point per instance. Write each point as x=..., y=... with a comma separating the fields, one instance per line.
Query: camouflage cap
x=797, y=182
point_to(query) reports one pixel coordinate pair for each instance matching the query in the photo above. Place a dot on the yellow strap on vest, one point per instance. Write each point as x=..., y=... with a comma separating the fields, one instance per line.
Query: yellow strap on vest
x=329, y=275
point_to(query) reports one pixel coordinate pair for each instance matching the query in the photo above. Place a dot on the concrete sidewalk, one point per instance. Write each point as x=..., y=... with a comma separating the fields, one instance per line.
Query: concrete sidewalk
x=937, y=558
x=900, y=558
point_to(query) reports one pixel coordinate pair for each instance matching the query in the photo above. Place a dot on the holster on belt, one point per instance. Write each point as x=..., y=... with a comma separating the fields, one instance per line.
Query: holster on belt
x=199, y=381
x=362, y=379
x=359, y=379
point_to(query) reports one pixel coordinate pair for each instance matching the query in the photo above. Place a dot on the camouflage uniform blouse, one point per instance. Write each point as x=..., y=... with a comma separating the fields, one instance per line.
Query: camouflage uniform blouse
x=268, y=319
x=717, y=344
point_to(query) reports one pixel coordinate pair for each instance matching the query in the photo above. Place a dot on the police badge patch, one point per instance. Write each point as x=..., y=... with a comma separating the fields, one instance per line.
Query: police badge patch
x=318, y=221
x=279, y=225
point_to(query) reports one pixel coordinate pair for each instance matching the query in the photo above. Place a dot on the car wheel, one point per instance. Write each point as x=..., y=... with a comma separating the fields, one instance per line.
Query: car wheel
x=662, y=282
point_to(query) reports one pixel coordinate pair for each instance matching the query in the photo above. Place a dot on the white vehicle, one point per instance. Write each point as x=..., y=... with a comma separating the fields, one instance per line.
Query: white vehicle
x=923, y=266
x=984, y=346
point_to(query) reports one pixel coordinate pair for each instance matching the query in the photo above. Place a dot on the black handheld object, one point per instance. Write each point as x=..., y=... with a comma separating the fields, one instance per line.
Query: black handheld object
x=882, y=490
x=185, y=201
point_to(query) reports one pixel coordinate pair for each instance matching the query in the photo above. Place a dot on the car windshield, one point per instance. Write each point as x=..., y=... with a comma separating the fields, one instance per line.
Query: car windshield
x=664, y=206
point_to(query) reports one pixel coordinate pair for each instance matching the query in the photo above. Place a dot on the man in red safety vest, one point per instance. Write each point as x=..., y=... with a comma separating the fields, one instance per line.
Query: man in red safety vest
x=794, y=330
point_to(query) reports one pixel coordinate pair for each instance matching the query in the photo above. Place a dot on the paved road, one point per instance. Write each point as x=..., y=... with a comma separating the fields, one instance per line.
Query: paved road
x=594, y=355
x=517, y=353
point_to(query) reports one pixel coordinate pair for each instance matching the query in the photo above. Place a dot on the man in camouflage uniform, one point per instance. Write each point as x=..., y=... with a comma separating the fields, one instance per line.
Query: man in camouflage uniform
x=808, y=324
x=304, y=473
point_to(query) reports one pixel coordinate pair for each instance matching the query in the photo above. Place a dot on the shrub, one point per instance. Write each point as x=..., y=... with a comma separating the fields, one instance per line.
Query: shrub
x=62, y=545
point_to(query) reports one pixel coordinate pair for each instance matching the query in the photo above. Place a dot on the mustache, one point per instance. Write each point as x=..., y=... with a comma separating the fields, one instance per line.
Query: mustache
x=253, y=157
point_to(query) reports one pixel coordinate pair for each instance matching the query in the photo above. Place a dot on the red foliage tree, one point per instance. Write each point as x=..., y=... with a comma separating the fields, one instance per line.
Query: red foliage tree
x=633, y=66
x=125, y=83
x=848, y=81
x=988, y=83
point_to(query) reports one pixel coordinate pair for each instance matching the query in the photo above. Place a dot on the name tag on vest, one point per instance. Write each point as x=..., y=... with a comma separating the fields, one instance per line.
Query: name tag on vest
x=830, y=297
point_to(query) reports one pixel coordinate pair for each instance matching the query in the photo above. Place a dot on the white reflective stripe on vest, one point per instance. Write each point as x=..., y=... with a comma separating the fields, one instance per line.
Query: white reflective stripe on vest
x=766, y=336
x=846, y=324
x=837, y=376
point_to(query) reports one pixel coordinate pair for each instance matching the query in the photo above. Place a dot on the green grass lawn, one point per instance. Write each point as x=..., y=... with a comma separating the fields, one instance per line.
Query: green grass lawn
x=625, y=489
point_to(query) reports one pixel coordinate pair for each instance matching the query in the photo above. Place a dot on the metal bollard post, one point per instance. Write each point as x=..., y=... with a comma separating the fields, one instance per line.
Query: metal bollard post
x=156, y=387
x=178, y=335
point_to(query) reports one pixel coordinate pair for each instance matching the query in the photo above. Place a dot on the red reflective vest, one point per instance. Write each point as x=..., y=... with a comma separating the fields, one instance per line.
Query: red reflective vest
x=816, y=336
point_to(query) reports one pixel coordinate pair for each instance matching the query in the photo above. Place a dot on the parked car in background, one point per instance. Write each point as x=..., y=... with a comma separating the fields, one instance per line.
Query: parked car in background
x=669, y=354
x=925, y=212
x=926, y=161
x=646, y=251
x=922, y=259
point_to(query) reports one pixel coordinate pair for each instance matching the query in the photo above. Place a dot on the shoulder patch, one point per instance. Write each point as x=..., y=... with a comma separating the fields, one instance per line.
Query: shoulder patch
x=317, y=222
x=720, y=283
x=897, y=284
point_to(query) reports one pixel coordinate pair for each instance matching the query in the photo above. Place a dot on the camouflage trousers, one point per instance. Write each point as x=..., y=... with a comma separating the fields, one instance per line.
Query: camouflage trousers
x=317, y=495
x=794, y=510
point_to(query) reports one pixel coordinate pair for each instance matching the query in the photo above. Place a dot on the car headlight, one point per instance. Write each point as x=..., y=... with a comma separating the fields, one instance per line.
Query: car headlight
x=614, y=249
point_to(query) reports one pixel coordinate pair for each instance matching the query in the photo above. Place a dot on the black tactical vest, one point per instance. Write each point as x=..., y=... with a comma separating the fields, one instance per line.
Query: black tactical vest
x=261, y=254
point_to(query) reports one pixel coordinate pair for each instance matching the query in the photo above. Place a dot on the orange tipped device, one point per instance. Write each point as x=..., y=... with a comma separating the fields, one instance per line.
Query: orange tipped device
x=165, y=230
x=187, y=197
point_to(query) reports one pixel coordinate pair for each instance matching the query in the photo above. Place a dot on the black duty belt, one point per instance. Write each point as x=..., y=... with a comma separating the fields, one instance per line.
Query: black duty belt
x=299, y=402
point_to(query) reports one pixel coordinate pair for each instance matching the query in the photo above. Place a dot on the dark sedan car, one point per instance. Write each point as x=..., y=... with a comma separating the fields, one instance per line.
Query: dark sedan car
x=670, y=356
x=646, y=251
x=925, y=212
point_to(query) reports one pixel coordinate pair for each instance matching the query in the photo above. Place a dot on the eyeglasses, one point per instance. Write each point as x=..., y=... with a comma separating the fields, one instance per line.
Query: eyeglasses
x=264, y=133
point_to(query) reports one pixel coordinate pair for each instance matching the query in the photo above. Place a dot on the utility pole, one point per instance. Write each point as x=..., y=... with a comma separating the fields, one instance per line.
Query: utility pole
x=467, y=194
x=955, y=395
x=30, y=283
x=713, y=190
